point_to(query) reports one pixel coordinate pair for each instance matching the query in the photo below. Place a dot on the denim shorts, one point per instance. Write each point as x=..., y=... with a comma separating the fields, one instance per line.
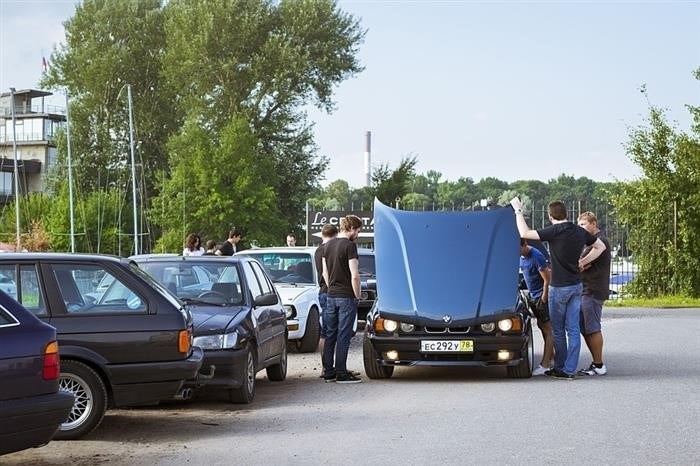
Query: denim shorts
x=591, y=314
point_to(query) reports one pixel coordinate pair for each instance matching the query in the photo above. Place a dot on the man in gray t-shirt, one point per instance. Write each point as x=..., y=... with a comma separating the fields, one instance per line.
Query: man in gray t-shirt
x=596, y=280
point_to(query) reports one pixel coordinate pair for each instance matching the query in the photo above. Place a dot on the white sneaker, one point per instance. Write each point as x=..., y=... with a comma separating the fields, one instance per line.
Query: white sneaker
x=539, y=370
x=593, y=370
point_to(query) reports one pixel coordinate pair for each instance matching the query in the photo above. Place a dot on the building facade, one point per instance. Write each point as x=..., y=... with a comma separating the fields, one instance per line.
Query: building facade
x=35, y=125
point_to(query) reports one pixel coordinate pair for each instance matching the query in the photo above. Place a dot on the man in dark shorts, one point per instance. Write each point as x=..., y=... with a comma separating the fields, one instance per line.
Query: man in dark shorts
x=566, y=241
x=596, y=279
x=536, y=273
x=341, y=274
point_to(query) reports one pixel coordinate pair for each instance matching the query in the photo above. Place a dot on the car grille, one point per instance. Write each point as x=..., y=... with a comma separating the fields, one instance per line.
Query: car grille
x=457, y=330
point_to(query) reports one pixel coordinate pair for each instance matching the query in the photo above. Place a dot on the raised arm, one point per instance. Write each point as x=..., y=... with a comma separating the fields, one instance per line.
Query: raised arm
x=523, y=229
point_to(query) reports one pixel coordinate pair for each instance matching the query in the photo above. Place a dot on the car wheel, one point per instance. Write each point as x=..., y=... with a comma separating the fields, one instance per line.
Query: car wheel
x=278, y=372
x=90, y=403
x=524, y=369
x=373, y=369
x=246, y=392
x=309, y=342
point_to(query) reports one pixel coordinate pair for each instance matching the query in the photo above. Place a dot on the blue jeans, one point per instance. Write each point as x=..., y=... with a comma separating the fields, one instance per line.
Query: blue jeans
x=565, y=313
x=323, y=302
x=338, y=321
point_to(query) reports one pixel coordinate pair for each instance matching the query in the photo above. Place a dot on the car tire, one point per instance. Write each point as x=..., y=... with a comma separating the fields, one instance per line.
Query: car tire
x=524, y=369
x=90, y=403
x=278, y=372
x=309, y=342
x=246, y=392
x=373, y=369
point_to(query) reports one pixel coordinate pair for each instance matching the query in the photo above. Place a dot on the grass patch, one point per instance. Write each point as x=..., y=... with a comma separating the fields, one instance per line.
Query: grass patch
x=658, y=302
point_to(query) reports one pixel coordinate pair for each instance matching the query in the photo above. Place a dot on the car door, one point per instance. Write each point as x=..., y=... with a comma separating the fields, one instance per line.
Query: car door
x=276, y=317
x=116, y=325
x=260, y=313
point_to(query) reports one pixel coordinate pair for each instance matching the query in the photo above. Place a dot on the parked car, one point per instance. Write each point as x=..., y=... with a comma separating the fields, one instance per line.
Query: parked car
x=368, y=282
x=618, y=283
x=293, y=272
x=452, y=304
x=31, y=406
x=239, y=319
x=129, y=344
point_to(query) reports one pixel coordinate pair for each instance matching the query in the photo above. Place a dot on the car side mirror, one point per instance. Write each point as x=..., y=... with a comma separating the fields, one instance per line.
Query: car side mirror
x=267, y=299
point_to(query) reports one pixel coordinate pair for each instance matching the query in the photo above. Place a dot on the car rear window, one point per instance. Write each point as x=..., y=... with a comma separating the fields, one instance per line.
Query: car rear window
x=7, y=319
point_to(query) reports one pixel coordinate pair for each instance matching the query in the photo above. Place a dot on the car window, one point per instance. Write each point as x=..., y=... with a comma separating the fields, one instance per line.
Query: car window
x=81, y=290
x=30, y=291
x=7, y=319
x=265, y=285
x=366, y=265
x=8, y=280
x=252, y=280
x=286, y=267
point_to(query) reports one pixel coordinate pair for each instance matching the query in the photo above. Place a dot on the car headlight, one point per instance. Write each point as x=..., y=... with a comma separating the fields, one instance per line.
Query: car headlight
x=213, y=342
x=505, y=325
x=488, y=327
x=407, y=328
x=290, y=311
x=385, y=325
x=209, y=341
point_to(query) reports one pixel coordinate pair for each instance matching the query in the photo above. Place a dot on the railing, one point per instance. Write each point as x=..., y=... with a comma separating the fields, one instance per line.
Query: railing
x=26, y=137
x=34, y=108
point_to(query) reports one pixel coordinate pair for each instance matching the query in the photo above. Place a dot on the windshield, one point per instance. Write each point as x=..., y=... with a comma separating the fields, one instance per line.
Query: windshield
x=198, y=282
x=287, y=267
x=366, y=265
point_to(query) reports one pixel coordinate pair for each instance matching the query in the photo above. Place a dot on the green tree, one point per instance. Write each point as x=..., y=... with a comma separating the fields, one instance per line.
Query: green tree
x=390, y=185
x=662, y=209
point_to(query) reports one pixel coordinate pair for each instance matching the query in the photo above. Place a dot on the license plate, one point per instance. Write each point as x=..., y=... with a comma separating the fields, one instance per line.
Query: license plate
x=447, y=346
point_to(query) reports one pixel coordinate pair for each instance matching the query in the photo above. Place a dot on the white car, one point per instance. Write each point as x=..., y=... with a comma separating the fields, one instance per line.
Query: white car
x=293, y=272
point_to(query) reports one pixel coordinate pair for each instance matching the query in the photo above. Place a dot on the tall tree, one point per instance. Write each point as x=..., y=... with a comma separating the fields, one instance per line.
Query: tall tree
x=391, y=185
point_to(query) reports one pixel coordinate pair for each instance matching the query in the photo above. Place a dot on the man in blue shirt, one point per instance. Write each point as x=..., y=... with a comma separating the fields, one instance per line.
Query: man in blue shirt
x=536, y=273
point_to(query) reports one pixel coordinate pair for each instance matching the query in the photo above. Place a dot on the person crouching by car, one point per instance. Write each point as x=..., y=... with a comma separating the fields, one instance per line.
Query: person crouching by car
x=537, y=277
x=342, y=275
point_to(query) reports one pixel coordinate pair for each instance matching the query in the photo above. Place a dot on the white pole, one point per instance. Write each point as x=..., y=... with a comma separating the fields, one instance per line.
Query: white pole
x=70, y=179
x=133, y=170
x=16, y=170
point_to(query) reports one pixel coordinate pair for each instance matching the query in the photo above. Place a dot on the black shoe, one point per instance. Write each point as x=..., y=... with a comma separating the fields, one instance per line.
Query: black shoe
x=559, y=374
x=348, y=378
x=328, y=378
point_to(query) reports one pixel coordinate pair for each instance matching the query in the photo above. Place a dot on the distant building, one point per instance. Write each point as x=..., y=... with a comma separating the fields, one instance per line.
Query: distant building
x=36, y=126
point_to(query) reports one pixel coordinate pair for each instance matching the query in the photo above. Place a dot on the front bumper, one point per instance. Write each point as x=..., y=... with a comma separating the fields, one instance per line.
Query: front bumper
x=485, y=354
x=228, y=369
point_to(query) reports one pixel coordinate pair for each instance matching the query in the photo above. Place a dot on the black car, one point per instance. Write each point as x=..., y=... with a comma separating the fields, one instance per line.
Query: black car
x=368, y=282
x=239, y=319
x=124, y=339
x=454, y=304
x=31, y=406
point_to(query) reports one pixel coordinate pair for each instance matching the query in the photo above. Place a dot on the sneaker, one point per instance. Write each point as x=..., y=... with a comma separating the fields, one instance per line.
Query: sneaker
x=348, y=378
x=328, y=378
x=539, y=370
x=559, y=374
x=593, y=370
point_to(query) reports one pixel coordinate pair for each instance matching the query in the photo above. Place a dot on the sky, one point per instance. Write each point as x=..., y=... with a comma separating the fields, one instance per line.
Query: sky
x=512, y=90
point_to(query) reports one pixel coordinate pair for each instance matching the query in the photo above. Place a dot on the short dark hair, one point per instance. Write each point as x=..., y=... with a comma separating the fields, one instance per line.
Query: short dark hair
x=235, y=232
x=329, y=231
x=557, y=210
x=211, y=244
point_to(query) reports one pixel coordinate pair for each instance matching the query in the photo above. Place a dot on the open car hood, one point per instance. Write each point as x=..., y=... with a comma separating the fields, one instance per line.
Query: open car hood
x=446, y=268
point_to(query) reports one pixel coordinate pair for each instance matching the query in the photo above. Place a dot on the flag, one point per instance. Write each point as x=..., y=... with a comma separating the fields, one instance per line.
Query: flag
x=45, y=64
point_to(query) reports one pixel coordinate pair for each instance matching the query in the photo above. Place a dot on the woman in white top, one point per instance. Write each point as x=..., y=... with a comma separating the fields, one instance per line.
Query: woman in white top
x=193, y=245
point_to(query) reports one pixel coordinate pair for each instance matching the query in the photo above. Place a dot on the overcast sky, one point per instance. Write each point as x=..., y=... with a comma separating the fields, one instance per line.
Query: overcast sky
x=512, y=90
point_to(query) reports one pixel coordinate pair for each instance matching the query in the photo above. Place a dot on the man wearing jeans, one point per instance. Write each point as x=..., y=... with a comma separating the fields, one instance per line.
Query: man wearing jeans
x=341, y=274
x=566, y=241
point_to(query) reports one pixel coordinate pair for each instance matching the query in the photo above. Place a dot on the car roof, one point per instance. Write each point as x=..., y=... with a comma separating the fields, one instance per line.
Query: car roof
x=297, y=249
x=177, y=258
x=59, y=256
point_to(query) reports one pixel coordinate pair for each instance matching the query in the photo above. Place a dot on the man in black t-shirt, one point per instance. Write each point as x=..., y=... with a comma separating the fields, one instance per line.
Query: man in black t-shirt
x=341, y=274
x=328, y=232
x=566, y=241
x=231, y=245
x=596, y=288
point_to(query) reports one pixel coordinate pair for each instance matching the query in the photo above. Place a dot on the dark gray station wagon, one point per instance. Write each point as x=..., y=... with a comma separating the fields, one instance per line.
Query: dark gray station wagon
x=124, y=339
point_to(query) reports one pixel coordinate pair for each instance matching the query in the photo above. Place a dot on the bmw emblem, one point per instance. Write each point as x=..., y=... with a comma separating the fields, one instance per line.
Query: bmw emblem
x=446, y=318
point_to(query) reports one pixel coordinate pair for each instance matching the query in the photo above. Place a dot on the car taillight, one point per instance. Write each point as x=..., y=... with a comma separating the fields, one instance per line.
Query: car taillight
x=184, y=342
x=52, y=366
